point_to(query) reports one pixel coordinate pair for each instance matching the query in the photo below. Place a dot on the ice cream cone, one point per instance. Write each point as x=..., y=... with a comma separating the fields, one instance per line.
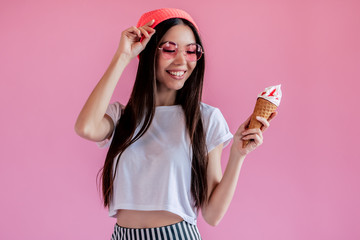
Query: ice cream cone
x=263, y=108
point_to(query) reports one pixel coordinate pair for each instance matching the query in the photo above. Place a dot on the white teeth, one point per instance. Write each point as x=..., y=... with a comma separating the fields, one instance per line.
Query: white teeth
x=179, y=74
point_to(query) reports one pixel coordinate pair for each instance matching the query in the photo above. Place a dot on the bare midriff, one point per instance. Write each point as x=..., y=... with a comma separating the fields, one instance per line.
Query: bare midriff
x=146, y=219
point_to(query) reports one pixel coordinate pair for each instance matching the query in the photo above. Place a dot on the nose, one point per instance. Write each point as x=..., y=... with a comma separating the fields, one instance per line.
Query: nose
x=180, y=58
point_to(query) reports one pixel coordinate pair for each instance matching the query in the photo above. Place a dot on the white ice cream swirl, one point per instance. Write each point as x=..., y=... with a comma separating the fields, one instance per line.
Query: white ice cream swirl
x=272, y=94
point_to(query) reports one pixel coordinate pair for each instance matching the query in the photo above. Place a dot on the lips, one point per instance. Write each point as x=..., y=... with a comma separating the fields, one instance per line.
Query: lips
x=177, y=73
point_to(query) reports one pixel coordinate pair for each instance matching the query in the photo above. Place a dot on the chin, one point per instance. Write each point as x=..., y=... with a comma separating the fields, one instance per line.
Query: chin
x=174, y=85
x=179, y=86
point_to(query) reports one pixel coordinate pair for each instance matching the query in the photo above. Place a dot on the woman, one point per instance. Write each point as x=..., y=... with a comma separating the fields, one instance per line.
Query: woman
x=163, y=164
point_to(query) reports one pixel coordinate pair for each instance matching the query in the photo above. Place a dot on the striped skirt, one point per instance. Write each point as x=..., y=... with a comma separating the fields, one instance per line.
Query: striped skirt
x=178, y=231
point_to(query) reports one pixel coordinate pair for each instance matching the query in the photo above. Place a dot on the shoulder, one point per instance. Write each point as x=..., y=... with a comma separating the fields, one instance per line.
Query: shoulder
x=215, y=126
x=116, y=105
x=114, y=110
x=207, y=110
x=209, y=114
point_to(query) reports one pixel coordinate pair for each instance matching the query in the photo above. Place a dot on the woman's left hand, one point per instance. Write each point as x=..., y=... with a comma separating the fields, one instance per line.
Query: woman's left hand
x=243, y=133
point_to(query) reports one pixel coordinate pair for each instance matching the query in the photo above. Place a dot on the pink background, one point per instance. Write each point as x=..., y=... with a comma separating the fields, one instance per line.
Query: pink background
x=302, y=183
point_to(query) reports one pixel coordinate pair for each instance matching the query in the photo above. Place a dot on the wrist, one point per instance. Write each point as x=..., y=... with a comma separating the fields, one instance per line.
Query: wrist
x=237, y=154
x=123, y=57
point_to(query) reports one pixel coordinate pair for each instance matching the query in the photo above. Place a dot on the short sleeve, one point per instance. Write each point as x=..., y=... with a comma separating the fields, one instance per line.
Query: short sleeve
x=114, y=112
x=217, y=131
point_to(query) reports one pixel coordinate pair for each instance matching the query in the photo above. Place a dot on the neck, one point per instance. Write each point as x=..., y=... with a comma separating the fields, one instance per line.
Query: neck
x=165, y=98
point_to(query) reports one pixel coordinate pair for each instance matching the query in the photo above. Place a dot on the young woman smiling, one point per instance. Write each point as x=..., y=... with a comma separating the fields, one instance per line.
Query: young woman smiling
x=163, y=163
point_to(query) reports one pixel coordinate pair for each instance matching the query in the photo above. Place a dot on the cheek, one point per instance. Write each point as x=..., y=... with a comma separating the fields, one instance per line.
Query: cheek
x=161, y=64
x=191, y=66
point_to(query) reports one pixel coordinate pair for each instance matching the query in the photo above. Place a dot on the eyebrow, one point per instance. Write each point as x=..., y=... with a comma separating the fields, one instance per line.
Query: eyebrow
x=176, y=43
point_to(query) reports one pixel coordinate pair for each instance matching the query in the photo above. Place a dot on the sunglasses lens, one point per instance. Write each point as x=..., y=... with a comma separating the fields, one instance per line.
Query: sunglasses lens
x=169, y=50
x=193, y=52
x=199, y=51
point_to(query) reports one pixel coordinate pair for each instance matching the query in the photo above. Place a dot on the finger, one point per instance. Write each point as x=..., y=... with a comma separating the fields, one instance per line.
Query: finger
x=257, y=138
x=254, y=144
x=147, y=34
x=151, y=22
x=135, y=30
x=272, y=116
x=251, y=131
x=133, y=37
x=132, y=34
x=247, y=122
x=243, y=126
x=149, y=29
x=145, y=41
x=264, y=122
x=144, y=32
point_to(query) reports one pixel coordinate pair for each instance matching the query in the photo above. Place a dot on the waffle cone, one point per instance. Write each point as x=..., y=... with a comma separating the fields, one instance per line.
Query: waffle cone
x=263, y=108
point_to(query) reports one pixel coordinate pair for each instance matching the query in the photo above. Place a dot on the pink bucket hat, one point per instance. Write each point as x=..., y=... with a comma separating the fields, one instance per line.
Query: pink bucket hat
x=163, y=14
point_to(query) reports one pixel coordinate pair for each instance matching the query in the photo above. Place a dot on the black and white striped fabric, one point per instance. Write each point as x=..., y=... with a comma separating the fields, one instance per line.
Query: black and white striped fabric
x=178, y=231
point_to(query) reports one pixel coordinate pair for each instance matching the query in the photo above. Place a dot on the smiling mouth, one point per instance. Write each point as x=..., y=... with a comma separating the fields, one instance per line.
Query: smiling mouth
x=176, y=73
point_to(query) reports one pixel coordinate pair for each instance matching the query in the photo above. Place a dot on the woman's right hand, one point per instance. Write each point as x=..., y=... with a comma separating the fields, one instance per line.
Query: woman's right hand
x=130, y=45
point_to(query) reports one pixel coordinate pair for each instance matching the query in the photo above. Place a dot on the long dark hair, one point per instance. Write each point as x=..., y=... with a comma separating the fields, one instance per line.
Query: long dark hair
x=141, y=109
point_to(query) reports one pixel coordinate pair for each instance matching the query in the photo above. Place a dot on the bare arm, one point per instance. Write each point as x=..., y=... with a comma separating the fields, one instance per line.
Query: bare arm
x=221, y=189
x=92, y=122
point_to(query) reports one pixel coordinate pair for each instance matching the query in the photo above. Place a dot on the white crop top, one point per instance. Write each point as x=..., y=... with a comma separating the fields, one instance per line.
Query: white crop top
x=154, y=173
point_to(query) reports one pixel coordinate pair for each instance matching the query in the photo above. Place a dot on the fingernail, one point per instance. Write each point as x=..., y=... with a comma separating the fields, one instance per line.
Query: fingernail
x=258, y=118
